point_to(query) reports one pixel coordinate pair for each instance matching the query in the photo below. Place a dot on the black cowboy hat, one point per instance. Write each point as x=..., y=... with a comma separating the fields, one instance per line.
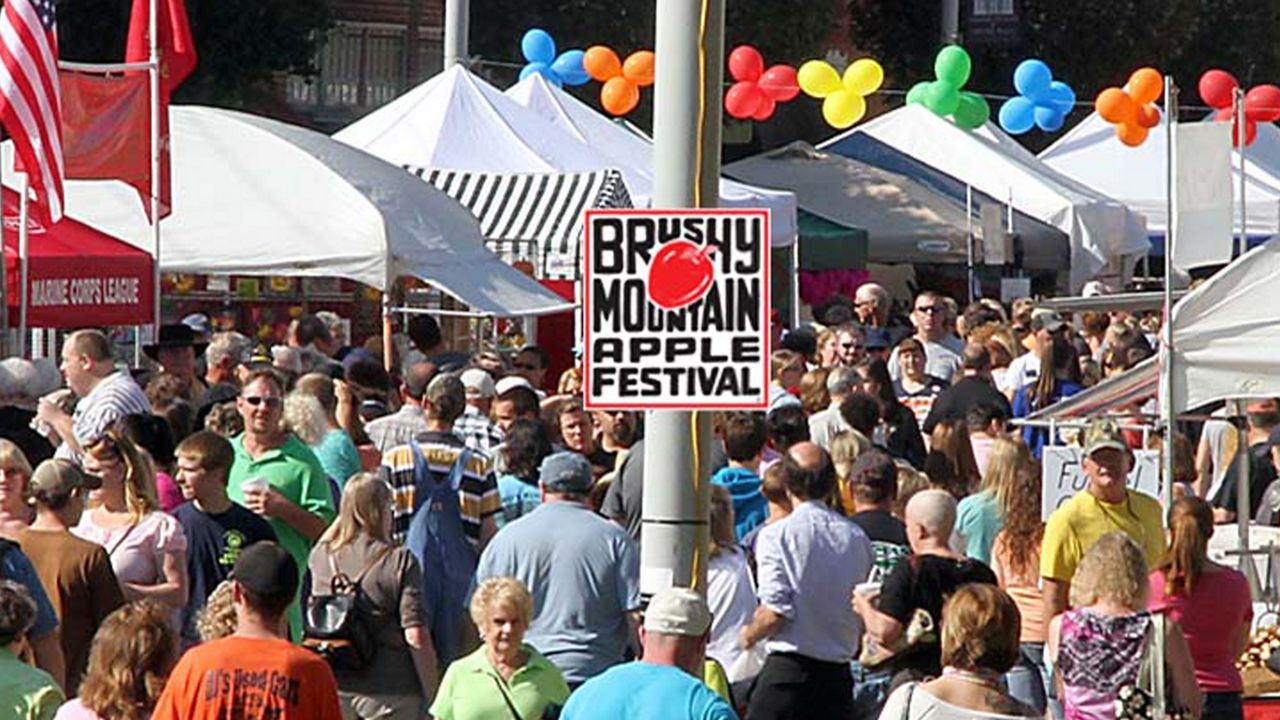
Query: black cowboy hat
x=171, y=336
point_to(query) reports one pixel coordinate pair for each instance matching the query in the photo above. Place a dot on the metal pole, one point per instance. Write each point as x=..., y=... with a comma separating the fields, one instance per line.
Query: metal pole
x=950, y=21
x=154, y=75
x=4, y=286
x=795, y=283
x=456, y=14
x=687, y=117
x=23, y=236
x=1243, y=452
x=1241, y=121
x=1166, y=343
x=968, y=240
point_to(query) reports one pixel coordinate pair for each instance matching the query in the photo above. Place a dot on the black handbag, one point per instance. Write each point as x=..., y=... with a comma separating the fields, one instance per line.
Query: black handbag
x=340, y=626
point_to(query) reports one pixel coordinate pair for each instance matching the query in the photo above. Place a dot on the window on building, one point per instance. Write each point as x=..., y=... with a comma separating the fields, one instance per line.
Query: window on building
x=993, y=7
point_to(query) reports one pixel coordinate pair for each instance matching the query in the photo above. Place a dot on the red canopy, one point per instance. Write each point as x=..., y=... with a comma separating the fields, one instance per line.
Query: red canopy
x=77, y=276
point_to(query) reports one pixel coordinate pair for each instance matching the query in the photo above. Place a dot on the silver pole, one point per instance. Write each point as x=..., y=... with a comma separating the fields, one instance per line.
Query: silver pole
x=456, y=14
x=1241, y=123
x=686, y=132
x=1242, y=499
x=1166, y=343
x=795, y=282
x=968, y=216
x=154, y=74
x=23, y=238
x=950, y=21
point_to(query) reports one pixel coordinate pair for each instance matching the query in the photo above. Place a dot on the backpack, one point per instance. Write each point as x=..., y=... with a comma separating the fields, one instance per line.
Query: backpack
x=440, y=544
x=341, y=626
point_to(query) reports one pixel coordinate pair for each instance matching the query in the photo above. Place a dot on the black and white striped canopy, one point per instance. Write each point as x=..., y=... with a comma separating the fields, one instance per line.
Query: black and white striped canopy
x=533, y=216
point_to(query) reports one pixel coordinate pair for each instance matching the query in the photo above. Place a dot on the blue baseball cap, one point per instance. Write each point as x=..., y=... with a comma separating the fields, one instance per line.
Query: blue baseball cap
x=567, y=472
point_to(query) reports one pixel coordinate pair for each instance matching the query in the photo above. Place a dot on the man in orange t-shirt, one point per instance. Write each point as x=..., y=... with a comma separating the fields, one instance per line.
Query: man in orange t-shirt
x=255, y=673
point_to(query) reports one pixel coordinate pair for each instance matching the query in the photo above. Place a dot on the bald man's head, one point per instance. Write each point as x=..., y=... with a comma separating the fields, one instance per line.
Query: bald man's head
x=817, y=477
x=931, y=515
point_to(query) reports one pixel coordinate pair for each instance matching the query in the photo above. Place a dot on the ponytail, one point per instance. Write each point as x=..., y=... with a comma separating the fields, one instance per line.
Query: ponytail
x=1190, y=526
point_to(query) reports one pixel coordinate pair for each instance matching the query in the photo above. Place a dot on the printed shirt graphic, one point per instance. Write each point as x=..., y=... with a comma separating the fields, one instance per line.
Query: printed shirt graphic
x=214, y=543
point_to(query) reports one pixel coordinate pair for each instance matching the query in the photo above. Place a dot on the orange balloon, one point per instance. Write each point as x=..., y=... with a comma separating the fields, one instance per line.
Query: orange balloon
x=639, y=68
x=1148, y=116
x=1146, y=85
x=1115, y=106
x=1131, y=135
x=601, y=63
x=619, y=96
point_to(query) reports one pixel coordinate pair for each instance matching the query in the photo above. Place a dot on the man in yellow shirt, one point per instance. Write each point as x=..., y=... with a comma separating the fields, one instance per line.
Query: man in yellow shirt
x=1106, y=505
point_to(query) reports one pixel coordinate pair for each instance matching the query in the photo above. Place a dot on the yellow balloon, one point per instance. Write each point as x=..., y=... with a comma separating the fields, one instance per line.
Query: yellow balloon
x=818, y=79
x=843, y=108
x=864, y=76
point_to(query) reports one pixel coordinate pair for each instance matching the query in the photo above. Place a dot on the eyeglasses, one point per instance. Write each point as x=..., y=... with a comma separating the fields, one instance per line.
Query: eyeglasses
x=929, y=309
x=271, y=401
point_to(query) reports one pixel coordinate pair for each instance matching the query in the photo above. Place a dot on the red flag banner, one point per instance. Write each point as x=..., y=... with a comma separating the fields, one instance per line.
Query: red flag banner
x=104, y=128
x=29, y=103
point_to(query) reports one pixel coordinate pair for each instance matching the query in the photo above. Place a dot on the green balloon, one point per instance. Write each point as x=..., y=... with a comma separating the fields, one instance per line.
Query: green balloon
x=942, y=98
x=916, y=95
x=972, y=112
x=952, y=66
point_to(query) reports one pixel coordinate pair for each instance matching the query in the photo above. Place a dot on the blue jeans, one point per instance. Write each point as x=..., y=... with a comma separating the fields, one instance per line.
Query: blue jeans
x=1027, y=679
x=870, y=690
x=1223, y=706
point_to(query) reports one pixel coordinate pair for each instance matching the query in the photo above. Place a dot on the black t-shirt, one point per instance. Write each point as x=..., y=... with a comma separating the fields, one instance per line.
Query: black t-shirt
x=955, y=402
x=925, y=581
x=602, y=461
x=213, y=544
x=882, y=526
x=1262, y=472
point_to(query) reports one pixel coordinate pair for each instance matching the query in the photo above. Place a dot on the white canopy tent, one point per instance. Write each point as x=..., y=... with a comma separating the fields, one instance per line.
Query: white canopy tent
x=633, y=154
x=255, y=196
x=1091, y=154
x=1103, y=231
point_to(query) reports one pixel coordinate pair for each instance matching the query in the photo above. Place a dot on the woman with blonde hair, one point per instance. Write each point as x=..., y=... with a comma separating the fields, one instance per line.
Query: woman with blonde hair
x=951, y=438
x=357, y=549
x=147, y=547
x=527, y=685
x=132, y=655
x=828, y=348
x=979, y=644
x=15, y=473
x=1210, y=601
x=1097, y=647
x=731, y=594
x=813, y=391
x=979, y=517
x=846, y=446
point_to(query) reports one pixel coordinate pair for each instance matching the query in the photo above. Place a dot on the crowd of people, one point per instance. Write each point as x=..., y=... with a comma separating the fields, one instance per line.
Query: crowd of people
x=298, y=532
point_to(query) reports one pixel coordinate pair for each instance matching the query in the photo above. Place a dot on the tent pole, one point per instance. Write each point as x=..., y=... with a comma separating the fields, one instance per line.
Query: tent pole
x=1241, y=122
x=153, y=73
x=23, y=237
x=387, y=345
x=1247, y=567
x=456, y=14
x=4, y=286
x=1166, y=344
x=795, y=283
x=968, y=239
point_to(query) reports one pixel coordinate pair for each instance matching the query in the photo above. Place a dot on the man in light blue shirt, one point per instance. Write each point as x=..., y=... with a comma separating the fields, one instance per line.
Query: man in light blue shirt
x=807, y=566
x=582, y=570
x=667, y=683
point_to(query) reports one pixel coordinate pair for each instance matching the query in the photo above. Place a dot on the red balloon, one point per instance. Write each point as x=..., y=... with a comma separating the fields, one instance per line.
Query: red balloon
x=765, y=111
x=744, y=99
x=1216, y=88
x=1262, y=103
x=779, y=83
x=745, y=63
x=1148, y=116
x=1250, y=127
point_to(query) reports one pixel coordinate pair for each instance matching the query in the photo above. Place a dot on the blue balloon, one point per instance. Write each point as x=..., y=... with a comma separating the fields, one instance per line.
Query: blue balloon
x=537, y=68
x=1032, y=79
x=1017, y=115
x=538, y=47
x=1048, y=118
x=569, y=67
x=1061, y=97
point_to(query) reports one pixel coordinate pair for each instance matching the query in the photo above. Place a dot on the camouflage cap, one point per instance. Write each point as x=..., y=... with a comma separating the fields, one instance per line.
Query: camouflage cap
x=1101, y=434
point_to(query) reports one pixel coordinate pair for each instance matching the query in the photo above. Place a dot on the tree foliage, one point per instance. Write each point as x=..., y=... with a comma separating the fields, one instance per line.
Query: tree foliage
x=241, y=43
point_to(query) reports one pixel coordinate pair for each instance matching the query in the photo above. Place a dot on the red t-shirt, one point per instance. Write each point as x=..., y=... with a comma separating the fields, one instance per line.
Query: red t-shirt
x=249, y=678
x=1211, y=617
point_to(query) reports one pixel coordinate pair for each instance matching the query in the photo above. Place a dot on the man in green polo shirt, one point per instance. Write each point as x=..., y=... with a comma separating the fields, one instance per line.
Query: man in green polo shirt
x=277, y=476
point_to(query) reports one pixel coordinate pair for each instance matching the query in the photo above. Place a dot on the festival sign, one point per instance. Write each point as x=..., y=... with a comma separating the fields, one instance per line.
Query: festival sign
x=676, y=309
x=1062, y=476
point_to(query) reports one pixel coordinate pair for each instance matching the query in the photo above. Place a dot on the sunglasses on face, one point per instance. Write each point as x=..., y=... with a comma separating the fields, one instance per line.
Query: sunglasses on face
x=270, y=401
x=929, y=310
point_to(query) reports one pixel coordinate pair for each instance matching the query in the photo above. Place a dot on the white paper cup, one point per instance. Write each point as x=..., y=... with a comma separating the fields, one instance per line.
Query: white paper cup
x=870, y=589
x=254, y=484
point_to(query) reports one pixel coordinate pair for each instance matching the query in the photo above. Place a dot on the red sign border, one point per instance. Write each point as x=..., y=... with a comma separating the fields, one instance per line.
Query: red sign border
x=765, y=303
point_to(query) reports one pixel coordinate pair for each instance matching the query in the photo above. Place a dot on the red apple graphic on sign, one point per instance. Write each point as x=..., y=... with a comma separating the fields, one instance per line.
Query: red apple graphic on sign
x=680, y=273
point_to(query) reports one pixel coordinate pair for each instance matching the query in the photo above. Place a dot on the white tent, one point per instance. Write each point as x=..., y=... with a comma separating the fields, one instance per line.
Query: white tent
x=633, y=154
x=1091, y=154
x=1102, y=230
x=255, y=196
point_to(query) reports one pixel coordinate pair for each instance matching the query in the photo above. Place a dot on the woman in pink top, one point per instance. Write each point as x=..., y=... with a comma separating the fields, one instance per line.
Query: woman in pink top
x=1211, y=602
x=146, y=545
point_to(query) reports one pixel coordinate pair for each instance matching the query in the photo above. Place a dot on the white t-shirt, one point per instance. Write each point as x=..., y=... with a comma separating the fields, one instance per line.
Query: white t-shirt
x=924, y=706
x=731, y=597
x=1024, y=370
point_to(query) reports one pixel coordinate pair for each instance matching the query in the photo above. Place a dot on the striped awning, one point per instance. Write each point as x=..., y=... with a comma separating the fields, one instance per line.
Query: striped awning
x=533, y=216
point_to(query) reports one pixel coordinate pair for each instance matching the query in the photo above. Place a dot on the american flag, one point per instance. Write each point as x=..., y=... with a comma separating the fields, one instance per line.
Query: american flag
x=30, y=97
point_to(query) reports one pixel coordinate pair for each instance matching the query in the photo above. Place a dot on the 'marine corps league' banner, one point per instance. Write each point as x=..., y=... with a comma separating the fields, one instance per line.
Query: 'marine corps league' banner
x=676, y=309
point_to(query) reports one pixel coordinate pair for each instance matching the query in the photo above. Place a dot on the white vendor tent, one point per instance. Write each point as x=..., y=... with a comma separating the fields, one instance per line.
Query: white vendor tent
x=1091, y=154
x=633, y=154
x=1102, y=230
x=255, y=196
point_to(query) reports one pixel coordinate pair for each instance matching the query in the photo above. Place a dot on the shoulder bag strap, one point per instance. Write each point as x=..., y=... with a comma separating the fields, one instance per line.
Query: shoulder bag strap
x=459, y=468
x=111, y=551
x=386, y=550
x=515, y=713
x=906, y=707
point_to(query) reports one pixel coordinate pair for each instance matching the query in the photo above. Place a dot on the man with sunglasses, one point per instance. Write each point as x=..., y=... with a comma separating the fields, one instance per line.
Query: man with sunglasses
x=277, y=476
x=941, y=348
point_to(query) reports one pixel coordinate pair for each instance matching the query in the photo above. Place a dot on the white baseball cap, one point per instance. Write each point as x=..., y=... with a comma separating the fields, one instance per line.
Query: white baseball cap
x=677, y=611
x=511, y=381
x=478, y=383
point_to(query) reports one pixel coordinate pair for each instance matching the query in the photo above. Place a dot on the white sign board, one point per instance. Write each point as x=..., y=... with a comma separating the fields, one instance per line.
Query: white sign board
x=676, y=309
x=1062, y=476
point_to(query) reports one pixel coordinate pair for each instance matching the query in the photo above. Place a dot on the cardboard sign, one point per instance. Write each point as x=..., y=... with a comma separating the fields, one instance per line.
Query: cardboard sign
x=1062, y=476
x=676, y=309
